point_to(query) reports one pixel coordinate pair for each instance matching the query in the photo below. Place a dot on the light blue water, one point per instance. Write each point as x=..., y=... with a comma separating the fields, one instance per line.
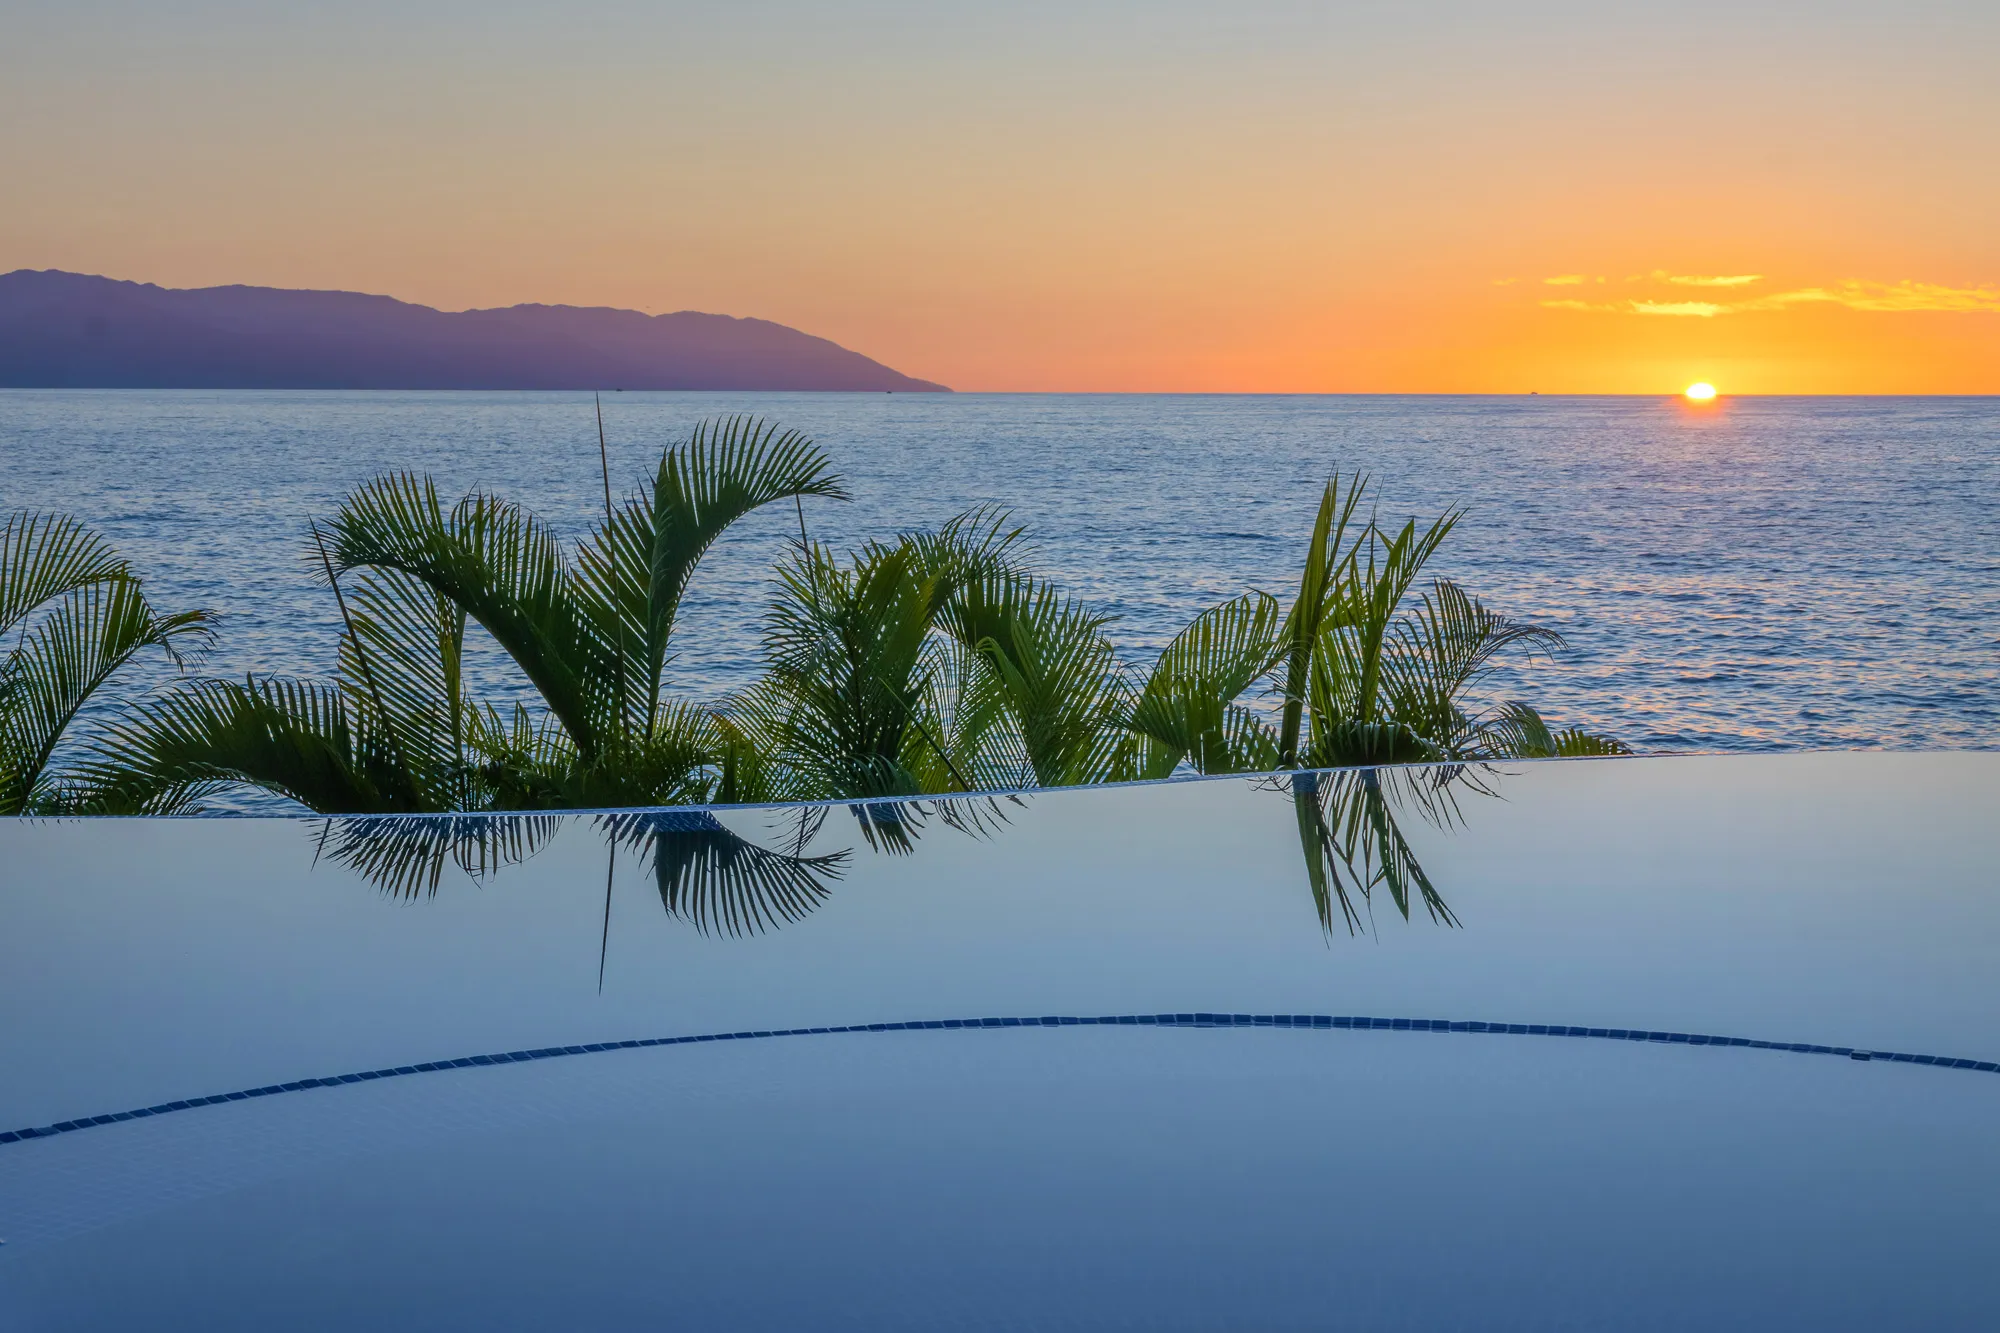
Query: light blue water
x=1768, y=574
x=1064, y=1177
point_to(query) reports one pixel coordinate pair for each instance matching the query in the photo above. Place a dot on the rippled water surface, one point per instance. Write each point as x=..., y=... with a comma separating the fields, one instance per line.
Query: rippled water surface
x=1765, y=574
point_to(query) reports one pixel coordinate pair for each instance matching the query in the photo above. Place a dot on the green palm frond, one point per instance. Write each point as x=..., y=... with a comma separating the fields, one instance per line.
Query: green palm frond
x=1051, y=669
x=45, y=556
x=522, y=757
x=1576, y=743
x=851, y=663
x=403, y=659
x=1519, y=732
x=1333, y=684
x=1187, y=707
x=1249, y=745
x=677, y=762
x=296, y=738
x=755, y=723
x=980, y=543
x=1135, y=757
x=633, y=573
x=1385, y=569
x=743, y=770
x=503, y=568
x=91, y=633
x=962, y=736
x=1326, y=601
x=1446, y=645
x=1347, y=744
x=593, y=639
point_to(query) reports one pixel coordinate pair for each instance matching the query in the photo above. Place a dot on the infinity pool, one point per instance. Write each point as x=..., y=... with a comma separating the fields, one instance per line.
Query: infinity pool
x=1644, y=1043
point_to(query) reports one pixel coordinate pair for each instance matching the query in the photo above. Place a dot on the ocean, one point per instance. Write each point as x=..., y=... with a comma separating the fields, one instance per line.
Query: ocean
x=1763, y=574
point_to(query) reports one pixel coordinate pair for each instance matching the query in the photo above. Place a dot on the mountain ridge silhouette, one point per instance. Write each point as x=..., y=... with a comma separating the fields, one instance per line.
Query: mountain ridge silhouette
x=75, y=330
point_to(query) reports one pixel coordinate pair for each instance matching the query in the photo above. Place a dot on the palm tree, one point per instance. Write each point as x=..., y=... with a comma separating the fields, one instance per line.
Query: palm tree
x=82, y=616
x=1041, y=663
x=592, y=635
x=862, y=697
x=1189, y=710
x=936, y=663
x=1363, y=674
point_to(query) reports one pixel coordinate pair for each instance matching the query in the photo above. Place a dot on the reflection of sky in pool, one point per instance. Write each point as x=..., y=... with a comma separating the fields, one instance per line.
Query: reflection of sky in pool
x=1077, y=1176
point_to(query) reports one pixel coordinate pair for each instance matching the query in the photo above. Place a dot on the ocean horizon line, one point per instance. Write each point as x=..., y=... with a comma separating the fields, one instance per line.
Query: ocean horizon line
x=993, y=393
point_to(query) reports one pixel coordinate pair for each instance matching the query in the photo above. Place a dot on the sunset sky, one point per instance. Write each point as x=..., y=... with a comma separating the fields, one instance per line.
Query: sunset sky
x=1248, y=196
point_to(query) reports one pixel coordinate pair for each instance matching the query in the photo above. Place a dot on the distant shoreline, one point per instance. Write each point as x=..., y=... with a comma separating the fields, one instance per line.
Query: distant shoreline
x=77, y=331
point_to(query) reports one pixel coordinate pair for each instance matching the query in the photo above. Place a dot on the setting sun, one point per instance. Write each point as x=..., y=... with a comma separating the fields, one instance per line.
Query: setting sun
x=1701, y=392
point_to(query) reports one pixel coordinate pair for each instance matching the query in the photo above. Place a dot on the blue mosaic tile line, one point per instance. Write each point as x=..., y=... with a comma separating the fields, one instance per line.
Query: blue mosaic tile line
x=1190, y=1020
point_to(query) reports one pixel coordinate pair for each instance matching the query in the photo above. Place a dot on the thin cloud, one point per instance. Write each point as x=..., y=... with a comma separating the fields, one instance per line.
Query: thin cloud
x=1505, y=282
x=1697, y=309
x=1874, y=297
x=1888, y=297
x=1565, y=280
x=1698, y=280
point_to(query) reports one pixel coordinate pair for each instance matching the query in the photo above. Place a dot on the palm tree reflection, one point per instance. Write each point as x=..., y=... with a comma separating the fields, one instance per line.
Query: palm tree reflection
x=1353, y=845
x=405, y=856
x=723, y=883
x=893, y=827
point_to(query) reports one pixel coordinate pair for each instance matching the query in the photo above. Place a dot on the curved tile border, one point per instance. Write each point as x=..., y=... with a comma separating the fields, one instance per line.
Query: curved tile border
x=1047, y=1021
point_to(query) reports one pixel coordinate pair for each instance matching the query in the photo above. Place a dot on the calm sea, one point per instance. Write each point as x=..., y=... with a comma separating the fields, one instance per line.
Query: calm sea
x=1766, y=574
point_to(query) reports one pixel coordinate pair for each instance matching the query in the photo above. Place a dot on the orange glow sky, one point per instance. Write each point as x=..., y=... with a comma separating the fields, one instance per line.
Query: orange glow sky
x=1091, y=196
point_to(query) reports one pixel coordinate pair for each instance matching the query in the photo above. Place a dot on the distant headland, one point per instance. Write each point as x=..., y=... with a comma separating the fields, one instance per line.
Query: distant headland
x=72, y=330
